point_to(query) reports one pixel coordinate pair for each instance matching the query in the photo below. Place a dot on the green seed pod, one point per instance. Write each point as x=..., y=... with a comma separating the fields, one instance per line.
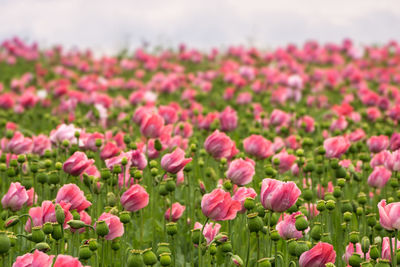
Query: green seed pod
x=170, y=185
x=135, y=259
x=275, y=235
x=42, y=246
x=226, y=247
x=330, y=205
x=196, y=236
x=265, y=262
x=249, y=203
x=172, y=228
x=347, y=216
x=228, y=185
x=321, y=205
x=162, y=189
x=301, y=247
x=326, y=237
x=5, y=242
x=157, y=145
x=316, y=231
x=367, y=264
x=85, y=253
x=149, y=258
x=102, y=228
x=292, y=244
x=362, y=198
x=254, y=222
x=111, y=199
x=41, y=177
x=165, y=259
x=354, y=237
x=48, y=228
x=212, y=249
x=371, y=219
x=116, y=244
x=75, y=215
x=93, y=244
x=162, y=248
x=260, y=210
x=301, y=223
x=382, y=263
x=308, y=195
x=125, y=217
x=117, y=169
x=105, y=174
x=38, y=234
x=374, y=252
x=57, y=233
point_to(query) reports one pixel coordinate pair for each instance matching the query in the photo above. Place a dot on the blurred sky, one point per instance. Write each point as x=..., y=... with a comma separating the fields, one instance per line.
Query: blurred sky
x=109, y=25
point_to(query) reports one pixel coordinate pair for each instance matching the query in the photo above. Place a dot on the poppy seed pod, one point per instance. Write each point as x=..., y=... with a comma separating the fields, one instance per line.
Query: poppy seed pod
x=135, y=259
x=255, y=223
x=5, y=243
x=149, y=258
x=102, y=228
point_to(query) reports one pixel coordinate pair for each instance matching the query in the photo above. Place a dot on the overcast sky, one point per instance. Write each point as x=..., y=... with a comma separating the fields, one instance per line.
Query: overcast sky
x=109, y=25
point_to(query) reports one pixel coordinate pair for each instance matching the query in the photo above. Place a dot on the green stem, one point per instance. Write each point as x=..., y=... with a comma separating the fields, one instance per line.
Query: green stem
x=201, y=241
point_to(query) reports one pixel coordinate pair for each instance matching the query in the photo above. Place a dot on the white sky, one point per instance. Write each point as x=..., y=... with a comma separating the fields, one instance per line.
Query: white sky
x=109, y=25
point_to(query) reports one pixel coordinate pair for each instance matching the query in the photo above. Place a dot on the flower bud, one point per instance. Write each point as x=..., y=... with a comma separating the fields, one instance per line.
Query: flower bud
x=42, y=246
x=76, y=224
x=365, y=244
x=157, y=145
x=149, y=258
x=60, y=215
x=11, y=221
x=237, y=260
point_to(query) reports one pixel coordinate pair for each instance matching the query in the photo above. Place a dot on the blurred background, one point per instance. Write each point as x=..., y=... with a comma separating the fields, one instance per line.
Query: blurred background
x=108, y=26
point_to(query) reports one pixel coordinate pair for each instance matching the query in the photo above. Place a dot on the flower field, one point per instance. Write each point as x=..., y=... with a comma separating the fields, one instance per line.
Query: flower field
x=239, y=157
